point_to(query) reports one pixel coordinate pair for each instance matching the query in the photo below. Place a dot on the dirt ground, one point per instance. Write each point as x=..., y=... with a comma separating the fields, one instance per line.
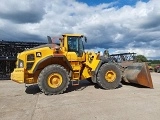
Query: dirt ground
x=83, y=102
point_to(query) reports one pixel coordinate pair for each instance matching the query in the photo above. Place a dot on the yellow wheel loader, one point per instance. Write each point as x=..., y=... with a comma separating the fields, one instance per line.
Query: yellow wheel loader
x=54, y=66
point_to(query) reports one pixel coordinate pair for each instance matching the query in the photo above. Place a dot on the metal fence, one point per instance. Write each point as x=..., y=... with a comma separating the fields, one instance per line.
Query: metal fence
x=119, y=58
x=8, y=55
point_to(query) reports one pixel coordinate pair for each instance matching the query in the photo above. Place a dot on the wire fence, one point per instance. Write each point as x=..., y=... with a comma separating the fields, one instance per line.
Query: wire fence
x=8, y=55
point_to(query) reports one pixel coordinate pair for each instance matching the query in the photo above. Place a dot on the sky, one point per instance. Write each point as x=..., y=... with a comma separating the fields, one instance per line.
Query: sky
x=117, y=25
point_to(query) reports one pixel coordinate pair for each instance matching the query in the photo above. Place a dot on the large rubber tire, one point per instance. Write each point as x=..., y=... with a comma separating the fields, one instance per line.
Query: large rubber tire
x=101, y=79
x=44, y=77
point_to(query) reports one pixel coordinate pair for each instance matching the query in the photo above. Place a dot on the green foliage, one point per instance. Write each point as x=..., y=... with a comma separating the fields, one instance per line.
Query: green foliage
x=141, y=58
x=154, y=61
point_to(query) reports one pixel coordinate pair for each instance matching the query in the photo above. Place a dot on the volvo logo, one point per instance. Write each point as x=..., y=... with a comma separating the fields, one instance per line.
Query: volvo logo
x=38, y=54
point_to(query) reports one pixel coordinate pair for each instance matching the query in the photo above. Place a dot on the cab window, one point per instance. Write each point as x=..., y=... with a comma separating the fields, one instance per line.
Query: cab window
x=75, y=44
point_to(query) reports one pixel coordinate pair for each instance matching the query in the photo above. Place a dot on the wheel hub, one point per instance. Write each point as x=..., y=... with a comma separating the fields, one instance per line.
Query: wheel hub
x=110, y=76
x=54, y=80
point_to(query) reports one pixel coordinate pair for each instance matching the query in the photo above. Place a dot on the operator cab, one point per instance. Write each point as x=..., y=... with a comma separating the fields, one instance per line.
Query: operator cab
x=75, y=44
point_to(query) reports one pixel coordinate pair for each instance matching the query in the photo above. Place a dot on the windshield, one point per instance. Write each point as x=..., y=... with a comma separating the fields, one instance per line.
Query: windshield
x=81, y=47
x=75, y=44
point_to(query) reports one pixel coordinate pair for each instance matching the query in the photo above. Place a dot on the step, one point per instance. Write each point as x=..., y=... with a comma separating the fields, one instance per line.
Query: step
x=75, y=82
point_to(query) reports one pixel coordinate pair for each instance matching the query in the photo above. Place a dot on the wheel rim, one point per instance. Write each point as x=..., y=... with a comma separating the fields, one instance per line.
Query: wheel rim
x=54, y=80
x=110, y=76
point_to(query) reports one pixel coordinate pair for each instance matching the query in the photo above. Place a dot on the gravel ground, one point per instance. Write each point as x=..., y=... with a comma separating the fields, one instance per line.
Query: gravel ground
x=83, y=102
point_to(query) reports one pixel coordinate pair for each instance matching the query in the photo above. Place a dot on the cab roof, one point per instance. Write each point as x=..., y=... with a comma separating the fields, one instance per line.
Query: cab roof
x=72, y=34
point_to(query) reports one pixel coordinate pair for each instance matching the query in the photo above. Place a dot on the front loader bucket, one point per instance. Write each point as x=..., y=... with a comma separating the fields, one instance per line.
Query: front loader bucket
x=138, y=73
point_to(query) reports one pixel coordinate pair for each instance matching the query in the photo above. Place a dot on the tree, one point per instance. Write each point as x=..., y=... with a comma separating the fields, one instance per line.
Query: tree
x=141, y=58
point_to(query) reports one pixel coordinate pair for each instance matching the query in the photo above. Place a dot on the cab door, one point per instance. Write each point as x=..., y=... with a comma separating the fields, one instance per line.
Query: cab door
x=76, y=56
x=75, y=49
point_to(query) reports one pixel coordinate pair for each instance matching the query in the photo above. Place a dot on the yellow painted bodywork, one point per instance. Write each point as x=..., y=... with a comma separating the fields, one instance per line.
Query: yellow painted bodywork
x=82, y=66
x=91, y=63
x=18, y=75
